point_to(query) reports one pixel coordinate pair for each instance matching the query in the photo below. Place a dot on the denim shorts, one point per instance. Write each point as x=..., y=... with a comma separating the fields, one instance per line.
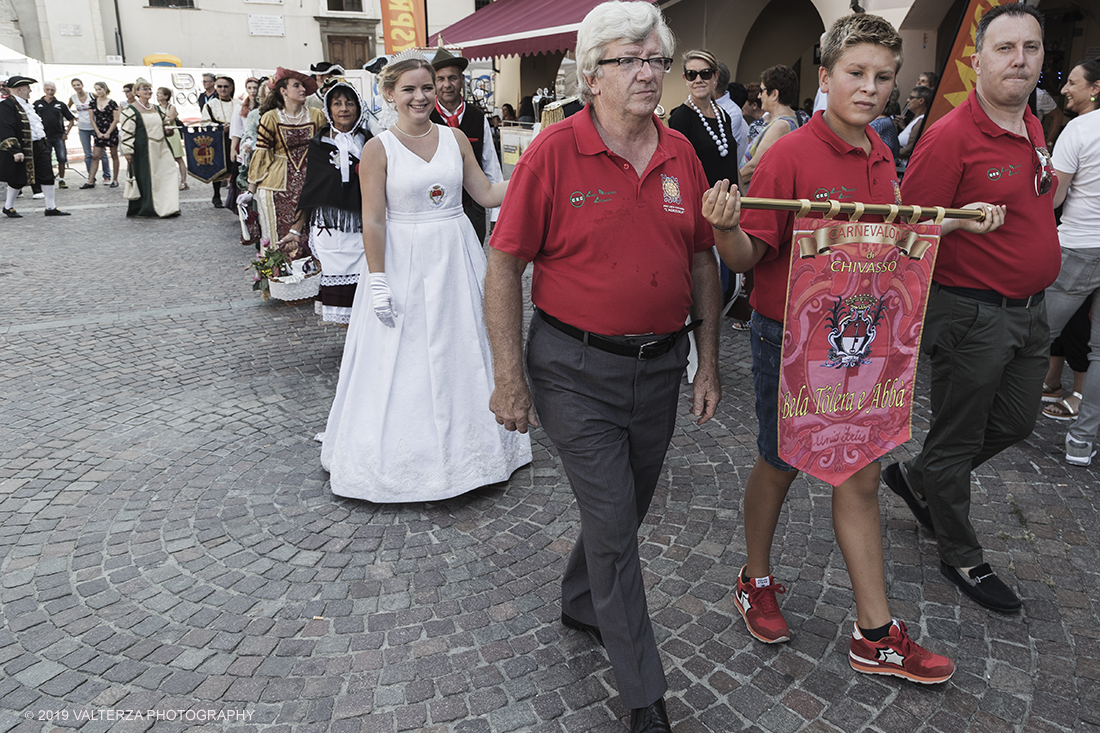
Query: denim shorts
x=767, y=350
x=57, y=144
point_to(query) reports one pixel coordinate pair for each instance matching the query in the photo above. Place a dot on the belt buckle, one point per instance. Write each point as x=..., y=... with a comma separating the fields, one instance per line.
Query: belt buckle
x=642, y=355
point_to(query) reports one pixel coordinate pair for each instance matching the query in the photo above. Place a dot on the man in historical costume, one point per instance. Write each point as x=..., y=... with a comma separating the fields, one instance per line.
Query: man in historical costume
x=207, y=92
x=986, y=332
x=321, y=73
x=24, y=152
x=55, y=114
x=451, y=109
x=607, y=205
x=220, y=110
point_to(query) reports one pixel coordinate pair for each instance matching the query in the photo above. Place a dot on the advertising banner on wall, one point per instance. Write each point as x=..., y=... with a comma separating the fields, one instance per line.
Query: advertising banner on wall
x=404, y=24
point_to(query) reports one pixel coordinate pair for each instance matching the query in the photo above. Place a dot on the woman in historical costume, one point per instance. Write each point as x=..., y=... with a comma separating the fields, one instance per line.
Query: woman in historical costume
x=240, y=114
x=331, y=204
x=410, y=420
x=277, y=169
x=175, y=140
x=246, y=205
x=105, y=118
x=149, y=157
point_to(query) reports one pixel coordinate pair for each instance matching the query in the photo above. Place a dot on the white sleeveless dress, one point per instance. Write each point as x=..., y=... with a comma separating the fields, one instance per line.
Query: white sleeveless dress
x=411, y=420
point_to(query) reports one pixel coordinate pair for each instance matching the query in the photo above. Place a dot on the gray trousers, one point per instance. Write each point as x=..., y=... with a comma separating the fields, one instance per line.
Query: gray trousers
x=988, y=364
x=1078, y=279
x=611, y=418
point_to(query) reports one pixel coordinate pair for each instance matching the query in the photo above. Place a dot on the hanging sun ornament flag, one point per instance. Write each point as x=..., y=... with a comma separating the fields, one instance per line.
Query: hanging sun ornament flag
x=958, y=76
x=204, y=147
x=855, y=309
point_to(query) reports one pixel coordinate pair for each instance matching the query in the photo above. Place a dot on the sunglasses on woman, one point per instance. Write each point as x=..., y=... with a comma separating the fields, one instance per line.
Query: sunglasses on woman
x=705, y=74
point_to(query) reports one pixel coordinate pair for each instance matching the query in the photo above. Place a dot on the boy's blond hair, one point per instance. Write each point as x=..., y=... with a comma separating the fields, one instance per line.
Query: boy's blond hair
x=855, y=29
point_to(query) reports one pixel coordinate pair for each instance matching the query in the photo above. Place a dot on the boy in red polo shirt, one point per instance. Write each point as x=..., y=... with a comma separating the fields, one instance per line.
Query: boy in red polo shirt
x=834, y=156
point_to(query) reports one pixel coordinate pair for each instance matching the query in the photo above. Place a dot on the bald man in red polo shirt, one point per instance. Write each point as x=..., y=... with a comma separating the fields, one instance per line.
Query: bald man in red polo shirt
x=986, y=328
x=607, y=206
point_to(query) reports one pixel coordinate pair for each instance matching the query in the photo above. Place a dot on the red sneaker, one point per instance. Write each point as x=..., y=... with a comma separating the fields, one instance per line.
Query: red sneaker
x=899, y=656
x=756, y=602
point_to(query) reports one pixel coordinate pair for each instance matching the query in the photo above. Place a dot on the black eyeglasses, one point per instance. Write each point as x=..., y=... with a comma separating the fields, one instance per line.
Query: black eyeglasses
x=704, y=74
x=1044, y=172
x=633, y=63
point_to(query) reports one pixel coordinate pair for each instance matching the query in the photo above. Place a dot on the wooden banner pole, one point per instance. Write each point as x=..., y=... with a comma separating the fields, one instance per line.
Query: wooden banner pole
x=904, y=212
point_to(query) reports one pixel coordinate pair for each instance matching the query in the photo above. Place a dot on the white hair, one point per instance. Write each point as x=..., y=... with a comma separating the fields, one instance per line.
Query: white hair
x=616, y=22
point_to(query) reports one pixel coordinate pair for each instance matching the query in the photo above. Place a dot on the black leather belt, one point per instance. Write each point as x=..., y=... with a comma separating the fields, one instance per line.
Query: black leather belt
x=659, y=346
x=995, y=298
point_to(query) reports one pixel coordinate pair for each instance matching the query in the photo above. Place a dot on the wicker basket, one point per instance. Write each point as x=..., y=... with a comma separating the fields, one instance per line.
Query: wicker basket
x=298, y=291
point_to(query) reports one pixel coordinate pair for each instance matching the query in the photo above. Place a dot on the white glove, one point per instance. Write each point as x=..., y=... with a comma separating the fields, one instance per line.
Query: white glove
x=245, y=198
x=382, y=298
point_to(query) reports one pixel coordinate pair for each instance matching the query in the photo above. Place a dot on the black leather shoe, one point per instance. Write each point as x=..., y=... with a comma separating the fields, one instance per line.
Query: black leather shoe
x=592, y=631
x=57, y=212
x=12, y=214
x=894, y=477
x=984, y=587
x=218, y=204
x=653, y=719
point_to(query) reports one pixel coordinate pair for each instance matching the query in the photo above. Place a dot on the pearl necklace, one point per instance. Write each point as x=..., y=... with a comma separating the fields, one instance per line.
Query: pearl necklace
x=722, y=143
x=297, y=119
x=142, y=105
x=398, y=128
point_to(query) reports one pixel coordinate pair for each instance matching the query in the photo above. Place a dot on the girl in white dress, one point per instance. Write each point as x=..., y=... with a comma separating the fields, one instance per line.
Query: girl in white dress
x=411, y=419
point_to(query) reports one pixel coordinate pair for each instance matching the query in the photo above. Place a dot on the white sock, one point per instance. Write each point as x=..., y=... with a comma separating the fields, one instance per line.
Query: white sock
x=51, y=199
x=10, y=201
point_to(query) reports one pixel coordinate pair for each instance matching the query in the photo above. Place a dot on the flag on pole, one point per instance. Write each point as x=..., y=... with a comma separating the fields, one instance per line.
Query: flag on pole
x=404, y=24
x=855, y=311
x=958, y=76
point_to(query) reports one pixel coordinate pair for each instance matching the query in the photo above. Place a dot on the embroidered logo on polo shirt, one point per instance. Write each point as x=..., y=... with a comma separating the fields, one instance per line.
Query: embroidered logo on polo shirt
x=995, y=173
x=577, y=198
x=835, y=194
x=670, y=186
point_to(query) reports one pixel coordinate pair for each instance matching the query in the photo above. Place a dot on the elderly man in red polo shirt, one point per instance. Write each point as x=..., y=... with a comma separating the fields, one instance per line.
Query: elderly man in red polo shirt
x=986, y=326
x=607, y=205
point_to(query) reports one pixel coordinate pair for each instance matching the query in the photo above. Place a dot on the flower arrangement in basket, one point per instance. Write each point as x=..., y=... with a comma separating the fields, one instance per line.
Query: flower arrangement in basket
x=280, y=274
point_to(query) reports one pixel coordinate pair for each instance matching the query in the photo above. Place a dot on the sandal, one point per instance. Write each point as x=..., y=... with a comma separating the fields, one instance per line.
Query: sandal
x=1062, y=409
x=184, y=187
x=739, y=325
x=1052, y=394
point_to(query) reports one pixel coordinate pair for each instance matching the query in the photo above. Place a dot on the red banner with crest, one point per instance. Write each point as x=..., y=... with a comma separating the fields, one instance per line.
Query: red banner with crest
x=855, y=310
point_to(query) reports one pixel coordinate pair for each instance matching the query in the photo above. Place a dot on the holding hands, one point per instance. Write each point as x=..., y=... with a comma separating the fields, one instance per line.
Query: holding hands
x=722, y=206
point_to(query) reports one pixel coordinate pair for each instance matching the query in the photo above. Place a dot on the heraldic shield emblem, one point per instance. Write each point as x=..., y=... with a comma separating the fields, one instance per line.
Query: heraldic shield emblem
x=856, y=299
x=204, y=148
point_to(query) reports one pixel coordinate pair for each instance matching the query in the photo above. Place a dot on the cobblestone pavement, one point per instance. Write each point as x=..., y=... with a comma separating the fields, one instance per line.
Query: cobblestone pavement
x=168, y=541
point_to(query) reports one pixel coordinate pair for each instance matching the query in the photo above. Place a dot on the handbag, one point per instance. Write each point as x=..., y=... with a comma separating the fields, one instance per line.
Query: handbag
x=131, y=191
